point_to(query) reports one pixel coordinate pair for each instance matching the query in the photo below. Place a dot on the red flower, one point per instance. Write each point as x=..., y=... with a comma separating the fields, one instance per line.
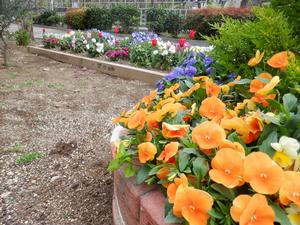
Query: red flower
x=192, y=34
x=116, y=30
x=182, y=42
x=100, y=35
x=116, y=42
x=44, y=30
x=154, y=42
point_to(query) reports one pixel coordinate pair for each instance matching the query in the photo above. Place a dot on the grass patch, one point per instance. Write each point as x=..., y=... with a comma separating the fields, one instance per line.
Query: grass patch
x=29, y=157
x=56, y=85
x=13, y=75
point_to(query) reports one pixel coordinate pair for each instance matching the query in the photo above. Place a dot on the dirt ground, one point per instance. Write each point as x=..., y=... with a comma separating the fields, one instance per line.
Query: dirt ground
x=64, y=113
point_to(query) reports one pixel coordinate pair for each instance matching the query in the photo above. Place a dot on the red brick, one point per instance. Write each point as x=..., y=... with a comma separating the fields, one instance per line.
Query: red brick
x=152, y=208
x=129, y=193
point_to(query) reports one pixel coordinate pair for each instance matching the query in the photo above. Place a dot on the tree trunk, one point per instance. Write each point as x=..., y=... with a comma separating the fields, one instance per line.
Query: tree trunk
x=5, y=56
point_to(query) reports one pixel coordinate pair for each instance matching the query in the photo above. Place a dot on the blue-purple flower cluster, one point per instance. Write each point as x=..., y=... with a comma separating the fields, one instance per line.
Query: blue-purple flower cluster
x=141, y=37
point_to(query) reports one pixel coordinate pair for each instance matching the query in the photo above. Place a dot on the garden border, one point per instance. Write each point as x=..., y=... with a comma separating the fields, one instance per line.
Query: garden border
x=110, y=68
x=135, y=204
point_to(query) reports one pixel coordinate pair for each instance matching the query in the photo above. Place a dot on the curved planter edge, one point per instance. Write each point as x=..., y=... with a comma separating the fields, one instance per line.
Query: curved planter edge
x=136, y=204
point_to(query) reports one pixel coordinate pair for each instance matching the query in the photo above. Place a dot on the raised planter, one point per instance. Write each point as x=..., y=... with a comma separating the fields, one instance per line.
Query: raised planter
x=135, y=204
x=110, y=68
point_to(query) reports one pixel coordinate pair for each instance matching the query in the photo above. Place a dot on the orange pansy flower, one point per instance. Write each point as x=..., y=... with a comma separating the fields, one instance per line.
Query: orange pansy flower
x=212, y=108
x=172, y=108
x=148, y=99
x=280, y=60
x=146, y=151
x=256, y=60
x=163, y=102
x=174, y=131
x=262, y=99
x=239, y=204
x=227, y=168
x=212, y=89
x=191, y=90
x=269, y=86
x=169, y=151
x=193, y=204
x=290, y=189
x=208, y=135
x=137, y=120
x=163, y=172
x=252, y=210
x=172, y=188
x=257, y=84
x=262, y=173
x=233, y=145
x=148, y=137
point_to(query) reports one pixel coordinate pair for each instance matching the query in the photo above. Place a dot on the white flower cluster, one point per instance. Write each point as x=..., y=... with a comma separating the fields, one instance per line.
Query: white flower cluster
x=165, y=48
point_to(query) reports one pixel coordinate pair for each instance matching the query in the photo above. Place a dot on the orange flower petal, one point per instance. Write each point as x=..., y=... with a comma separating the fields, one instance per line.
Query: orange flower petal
x=146, y=152
x=169, y=151
x=212, y=89
x=290, y=189
x=239, y=204
x=174, y=131
x=137, y=120
x=227, y=168
x=212, y=108
x=263, y=174
x=208, y=135
x=279, y=60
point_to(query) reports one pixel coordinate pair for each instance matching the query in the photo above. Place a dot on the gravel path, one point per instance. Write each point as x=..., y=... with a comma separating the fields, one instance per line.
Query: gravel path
x=60, y=115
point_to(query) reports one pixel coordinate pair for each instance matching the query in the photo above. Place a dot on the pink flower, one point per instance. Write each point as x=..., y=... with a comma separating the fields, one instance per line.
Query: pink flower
x=181, y=42
x=116, y=30
x=192, y=34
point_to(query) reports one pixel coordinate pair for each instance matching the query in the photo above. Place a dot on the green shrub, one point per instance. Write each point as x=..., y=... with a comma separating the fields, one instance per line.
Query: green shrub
x=201, y=20
x=22, y=37
x=237, y=41
x=43, y=17
x=291, y=9
x=74, y=18
x=126, y=16
x=141, y=54
x=96, y=17
x=55, y=19
x=173, y=23
x=156, y=18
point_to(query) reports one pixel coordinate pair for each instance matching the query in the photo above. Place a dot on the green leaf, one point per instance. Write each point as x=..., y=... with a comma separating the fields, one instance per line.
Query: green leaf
x=142, y=174
x=200, y=167
x=114, y=165
x=234, y=137
x=280, y=215
x=155, y=169
x=170, y=218
x=266, y=144
x=267, y=130
x=183, y=160
x=129, y=171
x=191, y=151
x=226, y=192
x=289, y=102
x=275, y=105
x=188, y=83
x=215, y=214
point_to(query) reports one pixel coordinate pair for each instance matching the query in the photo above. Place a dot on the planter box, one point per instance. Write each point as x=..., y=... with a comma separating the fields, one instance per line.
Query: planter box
x=110, y=68
x=135, y=204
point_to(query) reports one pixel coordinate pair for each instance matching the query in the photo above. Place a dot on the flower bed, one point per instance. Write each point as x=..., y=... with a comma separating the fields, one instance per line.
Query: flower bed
x=143, y=49
x=223, y=149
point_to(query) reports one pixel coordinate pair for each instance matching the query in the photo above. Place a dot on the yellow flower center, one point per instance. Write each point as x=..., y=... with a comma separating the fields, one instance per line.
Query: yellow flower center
x=228, y=171
x=263, y=175
x=296, y=194
x=253, y=218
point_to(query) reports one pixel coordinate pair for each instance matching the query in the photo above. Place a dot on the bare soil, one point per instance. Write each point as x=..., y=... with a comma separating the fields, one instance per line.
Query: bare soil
x=63, y=112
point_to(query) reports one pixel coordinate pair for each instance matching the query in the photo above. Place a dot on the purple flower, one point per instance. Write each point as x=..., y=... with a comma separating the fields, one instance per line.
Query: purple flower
x=202, y=55
x=208, y=61
x=175, y=73
x=209, y=70
x=190, y=71
x=232, y=75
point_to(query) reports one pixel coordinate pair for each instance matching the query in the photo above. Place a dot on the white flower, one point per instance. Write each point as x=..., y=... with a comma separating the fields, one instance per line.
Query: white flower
x=89, y=34
x=117, y=133
x=172, y=49
x=99, y=50
x=287, y=145
x=94, y=40
x=165, y=52
x=155, y=52
x=72, y=33
x=87, y=46
x=98, y=44
x=84, y=42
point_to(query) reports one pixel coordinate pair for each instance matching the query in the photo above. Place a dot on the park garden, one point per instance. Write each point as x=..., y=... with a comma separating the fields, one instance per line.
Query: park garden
x=213, y=138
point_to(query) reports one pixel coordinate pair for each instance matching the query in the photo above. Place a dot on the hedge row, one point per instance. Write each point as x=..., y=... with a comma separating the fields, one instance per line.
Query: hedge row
x=125, y=16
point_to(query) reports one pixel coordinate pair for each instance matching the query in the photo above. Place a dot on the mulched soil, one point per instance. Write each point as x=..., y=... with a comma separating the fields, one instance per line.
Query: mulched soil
x=63, y=112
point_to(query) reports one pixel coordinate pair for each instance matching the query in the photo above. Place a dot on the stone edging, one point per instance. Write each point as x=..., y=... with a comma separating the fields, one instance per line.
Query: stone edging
x=136, y=204
x=110, y=68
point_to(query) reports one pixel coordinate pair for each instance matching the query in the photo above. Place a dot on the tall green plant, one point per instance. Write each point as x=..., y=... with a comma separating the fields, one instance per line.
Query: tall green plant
x=237, y=41
x=96, y=17
x=127, y=16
